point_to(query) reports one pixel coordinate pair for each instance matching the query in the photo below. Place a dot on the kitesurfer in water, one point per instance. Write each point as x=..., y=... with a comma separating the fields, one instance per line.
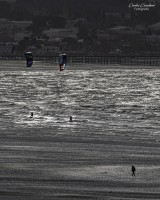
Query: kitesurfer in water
x=133, y=170
x=70, y=120
x=31, y=115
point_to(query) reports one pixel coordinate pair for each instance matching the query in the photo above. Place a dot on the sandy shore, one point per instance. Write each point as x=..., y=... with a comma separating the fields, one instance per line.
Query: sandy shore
x=67, y=167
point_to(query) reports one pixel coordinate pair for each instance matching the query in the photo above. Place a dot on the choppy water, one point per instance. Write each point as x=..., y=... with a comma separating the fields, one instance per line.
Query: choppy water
x=122, y=102
x=119, y=107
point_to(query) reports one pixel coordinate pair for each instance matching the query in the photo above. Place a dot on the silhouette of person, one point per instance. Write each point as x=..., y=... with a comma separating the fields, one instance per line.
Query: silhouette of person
x=70, y=119
x=133, y=170
x=31, y=115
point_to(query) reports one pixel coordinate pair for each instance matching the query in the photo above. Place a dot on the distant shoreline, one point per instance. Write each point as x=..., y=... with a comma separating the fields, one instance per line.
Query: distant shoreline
x=152, y=60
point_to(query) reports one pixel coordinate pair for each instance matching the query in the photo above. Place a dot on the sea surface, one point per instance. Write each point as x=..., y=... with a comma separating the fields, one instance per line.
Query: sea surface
x=116, y=124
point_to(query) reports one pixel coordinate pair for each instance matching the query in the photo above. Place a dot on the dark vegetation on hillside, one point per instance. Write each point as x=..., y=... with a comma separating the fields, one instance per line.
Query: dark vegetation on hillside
x=92, y=10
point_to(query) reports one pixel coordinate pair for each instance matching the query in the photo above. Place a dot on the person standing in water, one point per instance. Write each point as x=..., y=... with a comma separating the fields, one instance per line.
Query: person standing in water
x=133, y=170
x=31, y=115
x=70, y=119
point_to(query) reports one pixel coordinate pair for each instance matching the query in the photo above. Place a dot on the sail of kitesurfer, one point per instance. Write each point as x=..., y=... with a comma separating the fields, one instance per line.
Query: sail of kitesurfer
x=29, y=59
x=62, y=61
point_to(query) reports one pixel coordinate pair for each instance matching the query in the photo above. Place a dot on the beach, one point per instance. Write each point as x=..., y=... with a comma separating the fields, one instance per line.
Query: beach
x=115, y=112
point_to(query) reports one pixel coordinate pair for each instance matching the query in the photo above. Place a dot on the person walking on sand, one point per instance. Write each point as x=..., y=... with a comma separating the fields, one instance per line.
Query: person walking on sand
x=133, y=170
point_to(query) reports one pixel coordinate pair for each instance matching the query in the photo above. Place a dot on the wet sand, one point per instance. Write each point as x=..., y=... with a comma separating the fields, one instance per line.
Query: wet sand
x=69, y=167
